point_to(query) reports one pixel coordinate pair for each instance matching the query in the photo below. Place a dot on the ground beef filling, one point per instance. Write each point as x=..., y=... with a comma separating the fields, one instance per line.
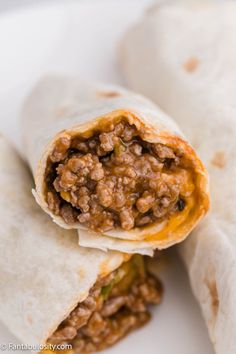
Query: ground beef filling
x=114, y=179
x=116, y=305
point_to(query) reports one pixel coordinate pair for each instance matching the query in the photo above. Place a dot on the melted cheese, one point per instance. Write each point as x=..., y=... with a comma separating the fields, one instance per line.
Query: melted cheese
x=185, y=180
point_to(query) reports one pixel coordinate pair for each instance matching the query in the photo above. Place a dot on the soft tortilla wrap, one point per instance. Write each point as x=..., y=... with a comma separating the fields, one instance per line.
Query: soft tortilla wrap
x=66, y=108
x=183, y=56
x=44, y=273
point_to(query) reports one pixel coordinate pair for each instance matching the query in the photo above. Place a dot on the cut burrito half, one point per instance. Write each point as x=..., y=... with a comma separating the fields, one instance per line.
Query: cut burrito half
x=112, y=165
x=183, y=55
x=54, y=292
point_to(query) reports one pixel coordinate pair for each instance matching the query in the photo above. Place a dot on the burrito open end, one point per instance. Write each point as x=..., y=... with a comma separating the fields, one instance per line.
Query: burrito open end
x=122, y=171
x=117, y=304
x=54, y=292
x=116, y=179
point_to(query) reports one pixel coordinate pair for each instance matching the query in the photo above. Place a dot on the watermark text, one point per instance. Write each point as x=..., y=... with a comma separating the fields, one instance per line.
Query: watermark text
x=34, y=347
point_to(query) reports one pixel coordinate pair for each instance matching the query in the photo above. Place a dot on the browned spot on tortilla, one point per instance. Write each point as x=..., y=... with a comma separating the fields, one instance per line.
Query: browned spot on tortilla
x=211, y=285
x=29, y=319
x=81, y=273
x=62, y=111
x=108, y=94
x=104, y=269
x=219, y=159
x=191, y=64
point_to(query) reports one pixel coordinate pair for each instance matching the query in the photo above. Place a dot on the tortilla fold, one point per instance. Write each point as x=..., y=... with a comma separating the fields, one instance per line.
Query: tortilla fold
x=183, y=56
x=66, y=108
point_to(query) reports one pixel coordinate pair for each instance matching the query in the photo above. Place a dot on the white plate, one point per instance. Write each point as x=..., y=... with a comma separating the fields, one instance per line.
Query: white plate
x=82, y=37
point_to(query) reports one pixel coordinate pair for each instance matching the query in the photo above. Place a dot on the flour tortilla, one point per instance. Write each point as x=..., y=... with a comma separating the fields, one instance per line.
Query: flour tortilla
x=61, y=106
x=183, y=56
x=44, y=274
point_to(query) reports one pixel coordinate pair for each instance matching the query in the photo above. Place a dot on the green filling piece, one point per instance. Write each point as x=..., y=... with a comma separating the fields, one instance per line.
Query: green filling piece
x=125, y=276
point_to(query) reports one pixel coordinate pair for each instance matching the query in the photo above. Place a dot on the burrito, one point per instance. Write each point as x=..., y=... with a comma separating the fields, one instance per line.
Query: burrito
x=183, y=55
x=53, y=293
x=112, y=165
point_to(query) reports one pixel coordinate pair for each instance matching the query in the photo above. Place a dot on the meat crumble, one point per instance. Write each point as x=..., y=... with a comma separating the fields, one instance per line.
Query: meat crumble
x=115, y=179
x=115, y=305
